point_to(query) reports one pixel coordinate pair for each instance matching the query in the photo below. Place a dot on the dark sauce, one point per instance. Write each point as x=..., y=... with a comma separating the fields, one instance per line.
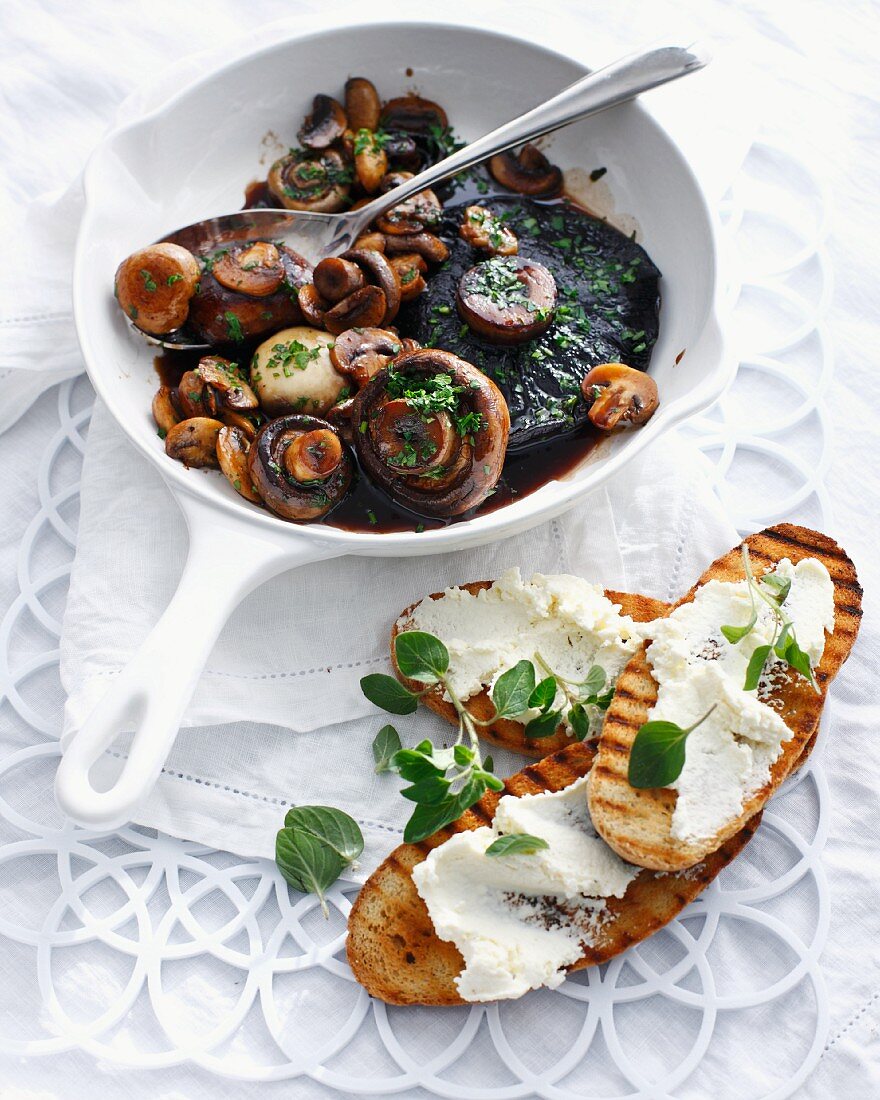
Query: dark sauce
x=366, y=507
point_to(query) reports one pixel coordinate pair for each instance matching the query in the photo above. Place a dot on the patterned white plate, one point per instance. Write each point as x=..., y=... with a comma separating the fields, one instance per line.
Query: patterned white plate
x=148, y=951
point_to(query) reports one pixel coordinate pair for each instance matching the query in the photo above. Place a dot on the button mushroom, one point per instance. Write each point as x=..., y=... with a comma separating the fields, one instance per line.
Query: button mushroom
x=325, y=123
x=507, y=300
x=617, y=395
x=362, y=352
x=481, y=229
x=224, y=378
x=410, y=268
x=362, y=105
x=292, y=372
x=232, y=455
x=370, y=159
x=426, y=245
x=364, y=308
x=529, y=173
x=194, y=441
x=415, y=214
x=165, y=410
x=299, y=468
x=380, y=273
x=320, y=182
x=155, y=285
x=413, y=115
x=432, y=432
x=247, y=290
x=336, y=278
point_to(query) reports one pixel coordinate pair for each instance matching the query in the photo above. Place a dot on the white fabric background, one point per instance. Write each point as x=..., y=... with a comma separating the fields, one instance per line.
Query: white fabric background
x=63, y=70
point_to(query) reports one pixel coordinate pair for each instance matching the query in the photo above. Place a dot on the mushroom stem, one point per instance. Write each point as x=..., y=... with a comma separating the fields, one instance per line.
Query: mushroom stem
x=313, y=456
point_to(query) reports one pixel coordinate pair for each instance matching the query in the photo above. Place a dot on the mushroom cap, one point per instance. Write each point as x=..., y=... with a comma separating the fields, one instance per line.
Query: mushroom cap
x=507, y=299
x=617, y=395
x=325, y=123
x=528, y=172
x=482, y=425
x=320, y=181
x=282, y=493
x=292, y=372
x=362, y=104
x=155, y=285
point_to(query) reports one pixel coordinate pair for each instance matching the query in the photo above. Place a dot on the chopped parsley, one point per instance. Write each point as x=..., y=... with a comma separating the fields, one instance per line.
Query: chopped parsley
x=149, y=281
x=233, y=327
x=291, y=356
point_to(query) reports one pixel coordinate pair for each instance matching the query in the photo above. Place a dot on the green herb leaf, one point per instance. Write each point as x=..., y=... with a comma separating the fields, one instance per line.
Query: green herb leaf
x=386, y=692
x=462, y=755
x=736, y=634
x=579, y=722
x=756, y=666
x=385, y=744
x=329, y=825
x=429, y=791
x=233, y=327
x=421, y=656
x=544, y=694
x=779, y=586
x=543, y=726
x=307, y=863
x=512, y=690
x=414, y=765
x=799, y=661
x=489, y=764
x=594, y=681
x=516, y=844
x=657, y=754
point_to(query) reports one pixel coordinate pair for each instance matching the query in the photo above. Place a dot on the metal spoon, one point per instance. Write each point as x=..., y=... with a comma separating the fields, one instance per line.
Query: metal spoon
x=318, y=235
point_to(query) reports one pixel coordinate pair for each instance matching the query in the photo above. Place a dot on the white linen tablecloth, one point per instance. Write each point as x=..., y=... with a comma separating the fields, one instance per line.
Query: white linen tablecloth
x=63, y=71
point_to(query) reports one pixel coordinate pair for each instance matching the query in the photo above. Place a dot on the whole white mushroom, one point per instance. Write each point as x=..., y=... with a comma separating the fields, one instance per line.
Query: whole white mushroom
x=292, y=372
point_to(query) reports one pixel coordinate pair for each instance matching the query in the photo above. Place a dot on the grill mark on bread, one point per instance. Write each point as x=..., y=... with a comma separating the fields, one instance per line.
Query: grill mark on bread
x=638, y=827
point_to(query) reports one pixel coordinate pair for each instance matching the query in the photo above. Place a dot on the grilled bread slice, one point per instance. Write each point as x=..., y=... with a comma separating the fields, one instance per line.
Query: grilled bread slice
x=637, y=823
x=397, y=956
x=506, y=733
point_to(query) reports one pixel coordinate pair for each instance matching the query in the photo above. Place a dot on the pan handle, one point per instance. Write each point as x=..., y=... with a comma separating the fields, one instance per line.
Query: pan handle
x=152, y=692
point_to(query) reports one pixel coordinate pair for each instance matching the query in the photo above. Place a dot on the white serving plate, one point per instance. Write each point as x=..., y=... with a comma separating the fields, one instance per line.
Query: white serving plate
x=191, y=159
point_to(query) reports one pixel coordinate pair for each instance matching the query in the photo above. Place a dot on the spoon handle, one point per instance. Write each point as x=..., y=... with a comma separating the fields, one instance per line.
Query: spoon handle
x=616, y=83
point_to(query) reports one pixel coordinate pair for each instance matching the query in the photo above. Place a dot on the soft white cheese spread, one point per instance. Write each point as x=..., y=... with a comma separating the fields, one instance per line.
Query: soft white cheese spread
x=729, y=755
x=568, y=621
x=501, y=912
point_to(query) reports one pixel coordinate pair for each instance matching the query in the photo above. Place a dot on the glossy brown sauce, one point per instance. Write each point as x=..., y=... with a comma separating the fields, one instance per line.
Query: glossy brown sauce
x=368, y=508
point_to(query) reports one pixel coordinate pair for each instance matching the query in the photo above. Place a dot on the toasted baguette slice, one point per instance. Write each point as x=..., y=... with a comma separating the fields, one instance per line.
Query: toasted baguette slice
x=505, y=733
x=399, y=958
x=637, y=823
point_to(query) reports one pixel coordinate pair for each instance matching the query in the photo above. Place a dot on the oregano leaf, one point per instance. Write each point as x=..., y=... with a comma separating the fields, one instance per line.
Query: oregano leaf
x=512, y=690
x=421, y=656
x=389, y=694
x=516, y=844
x=385, y=744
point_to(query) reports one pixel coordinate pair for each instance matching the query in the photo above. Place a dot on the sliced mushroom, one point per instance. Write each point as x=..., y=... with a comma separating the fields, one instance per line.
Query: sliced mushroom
x=409, y=268
x=232, y=455
x=373, y=240
x=425, y=244
x=292, y=372
x=413, y=115
x=252, y=269
x=362, y=352
x=340, y=417
x=370, y=160
x=275, y=475
x=164, y=410
x=155, y=285
x=507, y=300
x=191, y=395
x=529, y=172
x=224, y=378
x=415, y=214
x=380, y=272
x=313, y=306
x=362, y=104
x=617, y=395
x=324, y=124
x=194, y=441
x=363, y=309
x=482, y=229
x=222, y=316
x=247, y=423
x=432, y=432
x=321, y=182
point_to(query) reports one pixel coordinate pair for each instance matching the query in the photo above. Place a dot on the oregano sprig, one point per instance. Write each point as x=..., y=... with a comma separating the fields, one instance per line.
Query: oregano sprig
x=315, y=846
x=774, y=591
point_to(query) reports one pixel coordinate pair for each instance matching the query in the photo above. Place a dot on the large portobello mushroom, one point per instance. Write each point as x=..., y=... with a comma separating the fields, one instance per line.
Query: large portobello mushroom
x=606, y=312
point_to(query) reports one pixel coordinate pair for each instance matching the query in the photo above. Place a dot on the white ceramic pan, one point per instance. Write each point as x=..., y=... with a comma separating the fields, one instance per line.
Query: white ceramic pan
x=191, y=159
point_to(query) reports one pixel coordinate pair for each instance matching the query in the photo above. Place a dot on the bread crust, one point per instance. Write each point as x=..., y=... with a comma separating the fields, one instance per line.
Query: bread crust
x=505, y=733
x=637, y=823
x=397, y=956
